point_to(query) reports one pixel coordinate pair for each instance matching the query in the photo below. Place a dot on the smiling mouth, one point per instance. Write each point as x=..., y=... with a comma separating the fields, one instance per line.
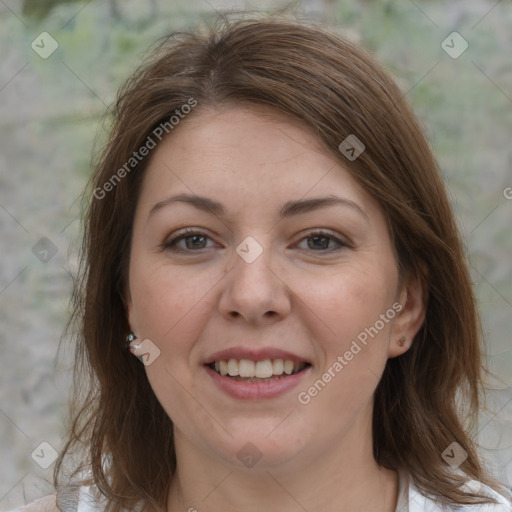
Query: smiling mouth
x=267, y=370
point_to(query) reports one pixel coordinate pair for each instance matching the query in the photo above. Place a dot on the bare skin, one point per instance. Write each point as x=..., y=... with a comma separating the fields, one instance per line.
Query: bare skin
x=306, y=295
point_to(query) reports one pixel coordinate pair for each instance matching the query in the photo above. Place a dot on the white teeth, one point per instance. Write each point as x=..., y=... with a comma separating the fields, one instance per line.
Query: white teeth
x=233, y=367
x=245, y=368
x=278, y=366
x=263, y=369
x=223, y=367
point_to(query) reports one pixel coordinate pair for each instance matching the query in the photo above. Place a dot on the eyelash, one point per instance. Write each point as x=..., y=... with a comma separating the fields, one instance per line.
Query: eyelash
x=170, y=244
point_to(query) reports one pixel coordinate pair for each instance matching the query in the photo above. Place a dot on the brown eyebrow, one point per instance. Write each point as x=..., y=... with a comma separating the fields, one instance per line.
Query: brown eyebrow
x=289, y=209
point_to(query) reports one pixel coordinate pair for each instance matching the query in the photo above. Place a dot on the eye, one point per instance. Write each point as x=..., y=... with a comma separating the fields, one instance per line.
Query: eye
x=193, y=240
x=320, y=241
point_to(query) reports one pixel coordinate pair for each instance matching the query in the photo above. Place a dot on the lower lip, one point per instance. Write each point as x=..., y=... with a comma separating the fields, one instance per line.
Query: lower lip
x=256, y=390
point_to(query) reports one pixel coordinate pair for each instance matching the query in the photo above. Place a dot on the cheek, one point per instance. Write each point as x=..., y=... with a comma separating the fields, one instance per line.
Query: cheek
x=164, y=297
x=348, y=301
x=354, y=341
x=170, y=310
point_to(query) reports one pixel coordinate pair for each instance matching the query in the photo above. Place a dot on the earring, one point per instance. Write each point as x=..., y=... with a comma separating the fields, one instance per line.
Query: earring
x=129, y=343
x=401, y=341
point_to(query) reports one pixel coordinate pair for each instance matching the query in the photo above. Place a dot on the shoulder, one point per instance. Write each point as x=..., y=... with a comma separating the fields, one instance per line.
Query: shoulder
x=46, y=504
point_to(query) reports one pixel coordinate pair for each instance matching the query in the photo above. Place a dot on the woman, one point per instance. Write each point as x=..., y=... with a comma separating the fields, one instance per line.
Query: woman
x=270, y=237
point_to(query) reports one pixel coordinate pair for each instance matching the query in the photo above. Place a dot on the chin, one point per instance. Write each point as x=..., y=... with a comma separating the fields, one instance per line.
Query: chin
x=261, y=451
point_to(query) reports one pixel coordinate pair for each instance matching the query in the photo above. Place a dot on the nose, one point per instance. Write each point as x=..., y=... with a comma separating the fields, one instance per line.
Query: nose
x=255, y=290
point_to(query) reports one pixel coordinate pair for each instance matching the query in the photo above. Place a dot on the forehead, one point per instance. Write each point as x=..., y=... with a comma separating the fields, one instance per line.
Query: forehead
x=260, y=135
x=246, y=156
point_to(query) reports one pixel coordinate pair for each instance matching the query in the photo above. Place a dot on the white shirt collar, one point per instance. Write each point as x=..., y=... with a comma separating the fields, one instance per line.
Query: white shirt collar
x=411, y=500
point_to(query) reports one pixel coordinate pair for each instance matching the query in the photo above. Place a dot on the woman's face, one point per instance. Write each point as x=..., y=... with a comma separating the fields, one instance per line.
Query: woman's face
x=293, y=263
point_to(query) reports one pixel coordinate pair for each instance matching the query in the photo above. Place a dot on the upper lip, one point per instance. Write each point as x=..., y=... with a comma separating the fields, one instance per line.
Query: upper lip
x=254, y=355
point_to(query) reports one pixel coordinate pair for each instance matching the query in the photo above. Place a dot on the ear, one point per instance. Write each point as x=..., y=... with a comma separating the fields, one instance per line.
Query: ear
x=412, y=297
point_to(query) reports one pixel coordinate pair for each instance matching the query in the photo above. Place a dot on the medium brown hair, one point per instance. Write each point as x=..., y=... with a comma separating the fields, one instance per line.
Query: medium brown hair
x=336, y=88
